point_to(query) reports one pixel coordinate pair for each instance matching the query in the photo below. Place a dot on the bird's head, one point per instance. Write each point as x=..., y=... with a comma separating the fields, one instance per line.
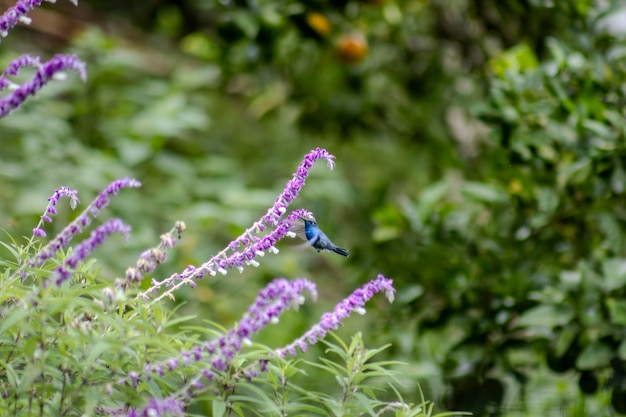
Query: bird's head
x=308, y=221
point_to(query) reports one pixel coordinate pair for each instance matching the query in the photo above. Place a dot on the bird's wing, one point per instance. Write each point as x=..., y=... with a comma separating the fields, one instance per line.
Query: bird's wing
x=297, y=226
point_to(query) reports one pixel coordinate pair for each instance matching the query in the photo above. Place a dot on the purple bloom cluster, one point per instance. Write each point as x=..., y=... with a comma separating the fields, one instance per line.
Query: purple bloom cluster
x=160, y=407
x=255, y=246
x=278, y=296
x=252, y=243
x=63, y=239
x=274, y=299
x=86, y=247
x=18, y=13
x=293, y=187
x=332, y=321
x=156, y=407
x=51, y=208
x=45, y=72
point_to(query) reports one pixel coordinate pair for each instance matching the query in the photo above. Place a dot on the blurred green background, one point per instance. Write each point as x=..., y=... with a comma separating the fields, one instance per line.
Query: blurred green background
x=480, y=163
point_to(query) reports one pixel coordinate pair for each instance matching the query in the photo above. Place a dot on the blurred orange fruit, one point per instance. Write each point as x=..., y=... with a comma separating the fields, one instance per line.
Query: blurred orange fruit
x=318, y=22
x=352, y=48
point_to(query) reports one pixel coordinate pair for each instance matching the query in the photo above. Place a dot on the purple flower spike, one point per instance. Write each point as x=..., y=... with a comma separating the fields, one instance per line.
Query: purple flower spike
x=293, y=187
x=332, y=321
x=51, y=210
x=18, y=13
x=252, y=243
x=156, y=407
x=255, y=247
x=87, y=246
x=62, y=240
x=112, y=189
x=51, y=69
x=277, y=297
x=21, y=62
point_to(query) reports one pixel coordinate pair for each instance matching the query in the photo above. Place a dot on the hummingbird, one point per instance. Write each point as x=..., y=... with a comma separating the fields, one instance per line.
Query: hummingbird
x=318, y=239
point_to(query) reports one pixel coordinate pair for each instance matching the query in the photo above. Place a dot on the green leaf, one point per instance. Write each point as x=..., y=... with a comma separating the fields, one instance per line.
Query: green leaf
x=621, y=350
x=574, y=173
x=484, y=193
x=429, y=197
x=219, y=407
x=547, y=199
x=617, y=311
x=546, y=316
x=98, y=349
x=610, y=227
x=594, y=356
x=11, y=376
x=12, y=318
x=246, y=22
x=614, y=271
x=565, y=339
x=517, y=59
x=597, y=128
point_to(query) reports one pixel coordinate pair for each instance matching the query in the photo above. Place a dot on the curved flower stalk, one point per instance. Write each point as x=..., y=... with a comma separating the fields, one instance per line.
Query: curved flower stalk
x=256, y=247
x=86, y=247
x=252, y=243
x=53, y=69
x=51, y=208
x=83, y=220
x=331, y=321
x=63, y=239
x=18, y=13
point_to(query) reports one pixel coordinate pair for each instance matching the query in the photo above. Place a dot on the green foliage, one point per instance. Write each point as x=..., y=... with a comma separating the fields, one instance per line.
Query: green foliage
x=72, y=351
x=352, y=367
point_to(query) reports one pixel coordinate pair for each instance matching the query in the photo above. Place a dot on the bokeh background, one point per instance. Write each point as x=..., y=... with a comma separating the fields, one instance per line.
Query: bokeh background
x=480, y=163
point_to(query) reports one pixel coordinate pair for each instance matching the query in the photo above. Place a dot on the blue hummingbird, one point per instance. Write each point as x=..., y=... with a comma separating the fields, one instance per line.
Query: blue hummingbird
x=318, y=239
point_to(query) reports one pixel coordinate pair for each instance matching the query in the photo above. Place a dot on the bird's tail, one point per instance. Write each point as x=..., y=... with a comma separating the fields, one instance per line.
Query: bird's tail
x=341, y=251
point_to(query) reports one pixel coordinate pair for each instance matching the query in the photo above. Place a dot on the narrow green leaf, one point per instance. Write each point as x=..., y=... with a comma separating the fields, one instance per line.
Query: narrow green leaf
x=218, y=407
x=484, y=193
x=546, y=316
x=614, y=271
x=594, y=356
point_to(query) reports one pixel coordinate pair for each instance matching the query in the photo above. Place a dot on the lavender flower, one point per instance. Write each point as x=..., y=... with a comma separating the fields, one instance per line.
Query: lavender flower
x=17, y=64
x=86, y=247
x=278, y=296
x=63, y=239
x=17, y=13
x=51, y=208
x=332, y=321
x=251, y=244
x=45, y=72
x=157, y=407
x=293, y=187
x=255, y=246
